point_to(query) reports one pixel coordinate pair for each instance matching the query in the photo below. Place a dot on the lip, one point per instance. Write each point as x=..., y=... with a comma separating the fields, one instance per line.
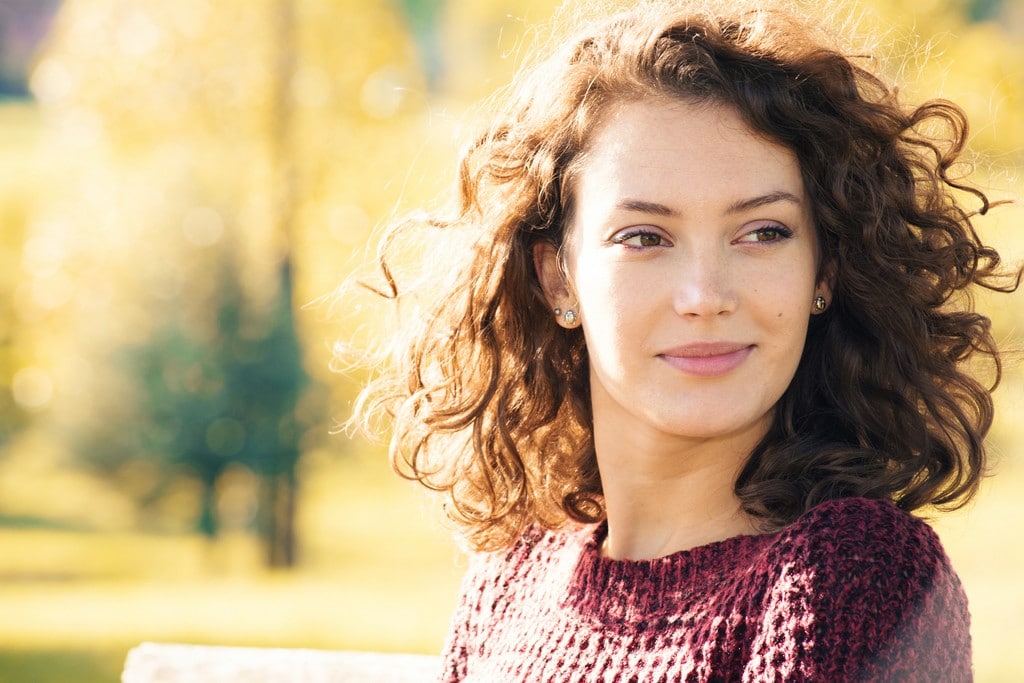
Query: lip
x=707, y=359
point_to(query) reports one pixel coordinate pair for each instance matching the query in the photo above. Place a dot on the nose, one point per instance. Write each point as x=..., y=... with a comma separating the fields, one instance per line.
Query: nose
x=704, y=286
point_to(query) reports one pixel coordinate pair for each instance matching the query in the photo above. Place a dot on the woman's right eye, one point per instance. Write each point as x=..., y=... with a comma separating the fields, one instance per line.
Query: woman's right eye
x=639, y=238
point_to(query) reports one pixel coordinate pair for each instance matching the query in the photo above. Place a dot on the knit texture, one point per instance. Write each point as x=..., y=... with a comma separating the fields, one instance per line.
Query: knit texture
x=855, y=590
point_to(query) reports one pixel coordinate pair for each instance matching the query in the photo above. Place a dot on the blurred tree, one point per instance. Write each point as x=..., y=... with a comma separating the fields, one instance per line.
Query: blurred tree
x=207, y=123
x=204, y=397
x=423, y=18
x=266, y=381
x=984, y=10
x=182, y=418
x=274, y=453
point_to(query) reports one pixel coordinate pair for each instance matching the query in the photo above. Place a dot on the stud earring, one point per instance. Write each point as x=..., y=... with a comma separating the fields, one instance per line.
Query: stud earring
x=820, y=304
x=558, y=312
x=569, y=318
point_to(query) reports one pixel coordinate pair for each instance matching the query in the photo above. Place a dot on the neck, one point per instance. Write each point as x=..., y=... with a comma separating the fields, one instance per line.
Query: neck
x=663, y=494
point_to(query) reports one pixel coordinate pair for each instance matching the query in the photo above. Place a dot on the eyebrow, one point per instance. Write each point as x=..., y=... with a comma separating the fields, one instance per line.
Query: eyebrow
x=739, y=206
x=642, y=206
x=765, y=199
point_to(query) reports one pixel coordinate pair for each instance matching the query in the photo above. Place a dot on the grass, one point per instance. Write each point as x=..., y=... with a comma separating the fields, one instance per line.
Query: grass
x=377, y=573
x=66, y=665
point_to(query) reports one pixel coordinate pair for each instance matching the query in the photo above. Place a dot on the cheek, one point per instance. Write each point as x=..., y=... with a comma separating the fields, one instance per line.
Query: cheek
x=607, y=294
x=787, y=289
x=611, y=305
x=592, y=280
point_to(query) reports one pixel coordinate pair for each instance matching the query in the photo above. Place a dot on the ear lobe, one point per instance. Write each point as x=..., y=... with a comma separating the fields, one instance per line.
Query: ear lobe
x=549, y=273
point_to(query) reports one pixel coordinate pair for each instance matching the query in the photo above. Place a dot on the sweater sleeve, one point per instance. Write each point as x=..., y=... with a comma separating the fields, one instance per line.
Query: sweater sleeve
x=865, y=592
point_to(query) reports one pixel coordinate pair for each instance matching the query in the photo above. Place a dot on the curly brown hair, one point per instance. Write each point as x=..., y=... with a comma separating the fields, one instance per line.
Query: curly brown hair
x=490, y=397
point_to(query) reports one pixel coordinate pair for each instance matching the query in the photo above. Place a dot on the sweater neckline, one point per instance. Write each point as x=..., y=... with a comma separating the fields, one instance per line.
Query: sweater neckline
x=695, y=555
x=612, y=590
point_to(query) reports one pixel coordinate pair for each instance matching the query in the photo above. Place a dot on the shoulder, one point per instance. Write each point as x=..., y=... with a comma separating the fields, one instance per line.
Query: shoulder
x=529, y=559
x=861, y=529
x=869, y=593
x=857, y=556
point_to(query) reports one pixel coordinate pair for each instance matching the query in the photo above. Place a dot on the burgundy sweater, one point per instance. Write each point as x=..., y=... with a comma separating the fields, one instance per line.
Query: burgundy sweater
x=855, y=590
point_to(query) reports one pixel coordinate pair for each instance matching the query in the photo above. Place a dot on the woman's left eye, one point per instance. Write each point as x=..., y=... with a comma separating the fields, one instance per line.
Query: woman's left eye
x=767, y=233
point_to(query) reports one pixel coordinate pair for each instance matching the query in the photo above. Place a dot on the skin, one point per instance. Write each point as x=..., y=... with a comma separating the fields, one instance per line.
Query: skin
x=691, y=263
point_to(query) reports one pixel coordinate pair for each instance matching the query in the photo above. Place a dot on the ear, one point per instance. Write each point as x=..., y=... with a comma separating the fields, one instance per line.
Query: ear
x=826, y=281
x=550, y=275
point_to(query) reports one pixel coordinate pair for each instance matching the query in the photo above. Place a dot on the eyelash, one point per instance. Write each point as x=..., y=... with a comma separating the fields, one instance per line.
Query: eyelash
x=621, y=239
x=781, y=233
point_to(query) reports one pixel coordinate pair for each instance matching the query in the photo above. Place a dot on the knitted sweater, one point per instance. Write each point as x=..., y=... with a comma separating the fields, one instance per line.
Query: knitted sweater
x=854, y=590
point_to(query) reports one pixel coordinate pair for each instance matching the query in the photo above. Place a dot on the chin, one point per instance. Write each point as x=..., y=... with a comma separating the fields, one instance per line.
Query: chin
x=715, y=427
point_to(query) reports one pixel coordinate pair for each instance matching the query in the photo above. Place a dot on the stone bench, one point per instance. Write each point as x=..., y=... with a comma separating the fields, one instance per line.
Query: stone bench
x=171, y=663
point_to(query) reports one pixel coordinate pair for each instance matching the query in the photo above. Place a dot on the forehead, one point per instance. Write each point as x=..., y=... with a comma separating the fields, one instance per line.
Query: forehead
x=682, y=153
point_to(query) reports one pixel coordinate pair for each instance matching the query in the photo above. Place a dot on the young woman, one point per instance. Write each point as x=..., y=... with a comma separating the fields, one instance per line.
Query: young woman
x=708, y=353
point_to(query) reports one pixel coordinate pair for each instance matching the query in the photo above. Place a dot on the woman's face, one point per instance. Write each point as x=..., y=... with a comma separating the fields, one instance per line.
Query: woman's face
x=691, y=263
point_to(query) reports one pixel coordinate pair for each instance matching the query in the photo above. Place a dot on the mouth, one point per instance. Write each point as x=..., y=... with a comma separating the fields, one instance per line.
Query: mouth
x=707, y=359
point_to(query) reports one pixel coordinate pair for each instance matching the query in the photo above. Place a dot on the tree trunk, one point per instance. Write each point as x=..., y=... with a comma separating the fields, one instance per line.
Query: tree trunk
x=277, y=524
x=208, y=525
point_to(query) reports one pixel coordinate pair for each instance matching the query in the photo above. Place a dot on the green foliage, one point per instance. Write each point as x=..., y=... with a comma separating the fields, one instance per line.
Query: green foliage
x=206, y=398
x=984, y=10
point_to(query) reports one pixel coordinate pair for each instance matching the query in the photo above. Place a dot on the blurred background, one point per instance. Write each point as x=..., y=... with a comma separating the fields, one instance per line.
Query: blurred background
x=182, y=187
